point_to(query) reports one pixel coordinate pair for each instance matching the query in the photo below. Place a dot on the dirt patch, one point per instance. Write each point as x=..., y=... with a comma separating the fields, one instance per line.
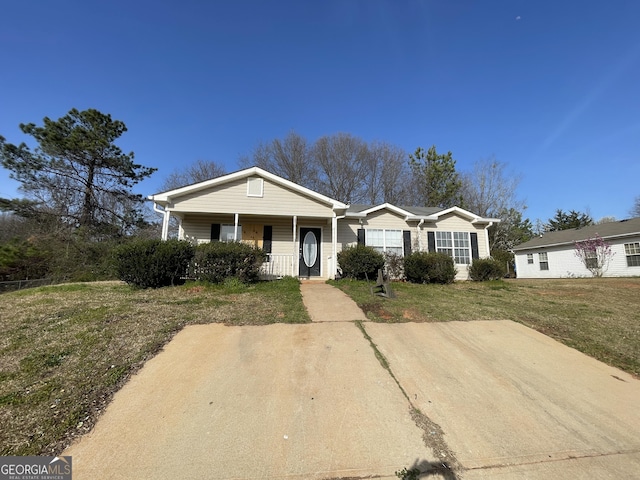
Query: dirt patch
x=377, y=309
x=412, y=315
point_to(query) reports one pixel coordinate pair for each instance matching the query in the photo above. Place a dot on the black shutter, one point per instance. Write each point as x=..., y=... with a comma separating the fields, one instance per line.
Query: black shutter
x=267, y=236
x=215, y=232
x=361, y=236
x=431, y=237
x=406, y=239
x=474, y=246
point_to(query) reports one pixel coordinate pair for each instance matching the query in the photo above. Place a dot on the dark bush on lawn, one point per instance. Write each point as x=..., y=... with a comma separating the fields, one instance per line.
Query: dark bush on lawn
x=484, y=269
x=360, y=261
x=422, y=267
x=153, y=263
x=216, y=261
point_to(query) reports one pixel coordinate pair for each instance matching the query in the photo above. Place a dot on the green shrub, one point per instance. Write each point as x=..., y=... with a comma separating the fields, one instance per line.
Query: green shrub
x=22, y=259
x=216, y=261
x=360, y=262
x=433, y=267
x=484, y=269
x=153, y=263
x=505, y=258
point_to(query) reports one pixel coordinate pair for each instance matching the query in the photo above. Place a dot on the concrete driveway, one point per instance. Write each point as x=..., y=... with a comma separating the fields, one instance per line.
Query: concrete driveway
x=281, y=401
x=514, y=403
x=497, y=400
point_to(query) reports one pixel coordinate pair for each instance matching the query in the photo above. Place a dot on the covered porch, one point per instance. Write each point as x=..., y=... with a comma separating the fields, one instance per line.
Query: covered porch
x=298, y=246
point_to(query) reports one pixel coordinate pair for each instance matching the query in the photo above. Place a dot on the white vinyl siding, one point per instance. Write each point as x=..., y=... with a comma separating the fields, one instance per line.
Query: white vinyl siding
x=233, y=198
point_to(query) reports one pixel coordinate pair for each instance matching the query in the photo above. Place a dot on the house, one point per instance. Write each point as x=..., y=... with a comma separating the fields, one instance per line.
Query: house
x=302, y=230
x=552, y=255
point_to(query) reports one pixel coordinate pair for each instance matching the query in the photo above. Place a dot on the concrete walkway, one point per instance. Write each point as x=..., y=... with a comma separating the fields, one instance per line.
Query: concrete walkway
x=326, y=303
x=312, y=401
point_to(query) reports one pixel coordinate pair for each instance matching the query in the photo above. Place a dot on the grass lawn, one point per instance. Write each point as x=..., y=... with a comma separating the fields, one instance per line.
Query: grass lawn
x=600, y=317
x=66, y=349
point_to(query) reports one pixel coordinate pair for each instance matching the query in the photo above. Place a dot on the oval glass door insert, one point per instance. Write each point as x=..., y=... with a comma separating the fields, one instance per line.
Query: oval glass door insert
x=309, y=249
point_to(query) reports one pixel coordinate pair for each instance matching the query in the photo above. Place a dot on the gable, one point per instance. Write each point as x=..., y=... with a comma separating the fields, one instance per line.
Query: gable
x=386, y=218
x=454, y=222
x=244, y=196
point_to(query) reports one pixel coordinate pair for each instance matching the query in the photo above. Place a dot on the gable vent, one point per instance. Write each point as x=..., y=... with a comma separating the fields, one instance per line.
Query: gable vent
x=255, y=186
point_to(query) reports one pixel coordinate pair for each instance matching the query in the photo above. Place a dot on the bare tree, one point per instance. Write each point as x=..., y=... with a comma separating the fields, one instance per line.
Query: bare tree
x=635, y=211
x=489, y=190
x=199, y=171
x=388, y=174
x=288, y=158
x=342, y=161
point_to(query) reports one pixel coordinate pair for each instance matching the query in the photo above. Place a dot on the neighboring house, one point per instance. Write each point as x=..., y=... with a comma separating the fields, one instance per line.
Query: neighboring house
x=303, y=231
x=552, y=255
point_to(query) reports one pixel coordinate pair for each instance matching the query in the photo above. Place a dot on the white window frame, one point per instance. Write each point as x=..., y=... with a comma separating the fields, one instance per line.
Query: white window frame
x=455, y=244
x=632, y=252
x=386, y=246
x=530, y=258
x=227, y=230
x=543, y=258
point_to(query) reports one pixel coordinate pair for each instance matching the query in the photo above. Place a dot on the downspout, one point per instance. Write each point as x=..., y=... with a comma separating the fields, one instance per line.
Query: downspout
x=165, y=220
x=334, y=240
x=486, y=236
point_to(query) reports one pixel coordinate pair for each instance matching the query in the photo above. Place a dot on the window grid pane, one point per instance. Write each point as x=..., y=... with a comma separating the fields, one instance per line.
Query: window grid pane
x=227, y=231
x=393, y=238
x=544, y=261
x=375, y=238
x=632, y=248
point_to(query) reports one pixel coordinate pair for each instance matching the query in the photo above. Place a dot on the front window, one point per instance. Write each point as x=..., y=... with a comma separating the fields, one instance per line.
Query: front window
x=461, y=248
x=227, y=233
x=632, y=251
x=382, y=240
x=544, y=261
x=444, y=243
x=456, y=245
x=591, y=261
x=530, y=258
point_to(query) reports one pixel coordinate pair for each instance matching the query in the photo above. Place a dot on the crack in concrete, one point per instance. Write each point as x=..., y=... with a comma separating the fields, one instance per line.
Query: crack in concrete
x=433, y=435
x=554, y=460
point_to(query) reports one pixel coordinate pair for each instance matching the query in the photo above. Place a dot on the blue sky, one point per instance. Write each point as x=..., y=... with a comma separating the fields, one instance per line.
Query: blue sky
x=551, y=88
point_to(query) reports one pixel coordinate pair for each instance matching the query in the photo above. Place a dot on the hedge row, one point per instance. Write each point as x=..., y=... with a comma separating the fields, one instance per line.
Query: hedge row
x=360, y=262
x=156, y=263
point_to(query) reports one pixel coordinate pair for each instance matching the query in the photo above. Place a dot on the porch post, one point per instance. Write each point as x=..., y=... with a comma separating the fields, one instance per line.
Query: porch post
x=235, y=229
x=334, y=241
x=294, y=264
